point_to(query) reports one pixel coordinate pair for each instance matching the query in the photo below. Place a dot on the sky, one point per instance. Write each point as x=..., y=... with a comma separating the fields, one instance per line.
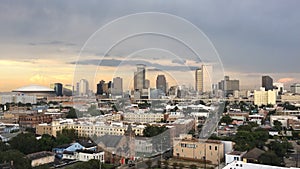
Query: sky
x=43, y=42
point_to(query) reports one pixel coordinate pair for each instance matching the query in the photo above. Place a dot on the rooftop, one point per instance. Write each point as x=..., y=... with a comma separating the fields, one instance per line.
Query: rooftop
x=39, y=155
x=34, y=88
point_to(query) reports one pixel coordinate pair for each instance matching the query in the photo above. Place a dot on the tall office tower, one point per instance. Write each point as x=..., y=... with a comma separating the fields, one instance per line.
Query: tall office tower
x=161, y=83
x=139, y=77
x=267, y=83
x=100, y=86
x=58, y=88
x=117, y=88
x=229, y=86
x=295, y=88
x=203, y=77
x=83, y=87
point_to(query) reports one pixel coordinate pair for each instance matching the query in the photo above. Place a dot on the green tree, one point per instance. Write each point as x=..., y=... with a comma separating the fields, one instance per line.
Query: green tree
x=72, y=113
x=15, y=156
x=193, y=166
x=226, y=119
x=4, y=146
x=269, y=158
x=66, y=136
x=46, y=143
x=280, y=148
x=151, y=131
x=25, y=143
x=277, y=125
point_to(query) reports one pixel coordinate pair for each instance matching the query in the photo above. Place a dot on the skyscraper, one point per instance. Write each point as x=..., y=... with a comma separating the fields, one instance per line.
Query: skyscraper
x=139, y=77
x=267, y=83
x=83, y=87
x=117, y=86
x=161, y=83
x=58, y=88
x=203, y=77
x=100, y=86
x=229, y=86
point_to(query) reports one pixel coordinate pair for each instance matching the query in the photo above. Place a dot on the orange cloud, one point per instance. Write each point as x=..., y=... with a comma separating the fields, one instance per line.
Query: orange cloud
x=286, y=80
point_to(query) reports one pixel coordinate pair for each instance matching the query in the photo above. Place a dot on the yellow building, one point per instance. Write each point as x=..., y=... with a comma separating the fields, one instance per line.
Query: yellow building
x=264, y=97
x=87, y=129
x=194, y=149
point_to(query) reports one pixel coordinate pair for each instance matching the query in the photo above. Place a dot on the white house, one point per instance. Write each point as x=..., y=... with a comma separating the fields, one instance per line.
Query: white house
x=233, y=156
x=84, y=155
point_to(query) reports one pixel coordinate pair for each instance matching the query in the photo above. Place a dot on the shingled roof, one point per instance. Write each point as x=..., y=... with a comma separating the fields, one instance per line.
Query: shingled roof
x=255, y=153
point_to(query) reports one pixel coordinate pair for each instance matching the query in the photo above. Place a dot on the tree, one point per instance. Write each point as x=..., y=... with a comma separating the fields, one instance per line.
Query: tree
x=280, y=148
x=4, y=146
x=226, y=119
x=193, y=166
x=66, y=136
x=269, y=158
x=46, y=143
x=151, y=131
x=277, y=125
x=244, y=141
x=15, y=156
x=72, y=113
x=25, y=143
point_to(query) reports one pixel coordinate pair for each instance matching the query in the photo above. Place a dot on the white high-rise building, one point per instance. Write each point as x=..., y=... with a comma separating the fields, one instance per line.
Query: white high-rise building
x=83, y=87
x=264, y=97
x=203, y=77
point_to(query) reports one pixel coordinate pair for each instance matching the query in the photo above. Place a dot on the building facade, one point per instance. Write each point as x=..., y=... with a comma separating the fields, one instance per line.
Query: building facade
x=161, y=83
x=267, y=83
x=295, y=88
x=117, y=86
x=87, y=129
x=229, y=86
x=203, y=78
x=264, y=97
x=83, y=87
x=140, y=77
x=188, y=148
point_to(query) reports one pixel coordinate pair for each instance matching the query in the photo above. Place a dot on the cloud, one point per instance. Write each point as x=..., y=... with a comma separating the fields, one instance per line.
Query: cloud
x=178, y=61
x=286, y=80
x=54, y=42
x=152, y=66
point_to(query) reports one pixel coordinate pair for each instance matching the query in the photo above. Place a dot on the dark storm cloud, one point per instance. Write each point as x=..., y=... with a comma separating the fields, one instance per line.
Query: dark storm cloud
x=250, y=36
x=116, y=63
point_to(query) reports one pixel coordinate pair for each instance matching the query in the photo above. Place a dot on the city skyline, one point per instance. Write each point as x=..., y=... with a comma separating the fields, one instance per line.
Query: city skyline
x=39, y=45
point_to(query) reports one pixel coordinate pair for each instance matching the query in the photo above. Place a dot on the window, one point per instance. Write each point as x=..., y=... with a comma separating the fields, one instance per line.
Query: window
x=209, y=147
x=216, y=148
